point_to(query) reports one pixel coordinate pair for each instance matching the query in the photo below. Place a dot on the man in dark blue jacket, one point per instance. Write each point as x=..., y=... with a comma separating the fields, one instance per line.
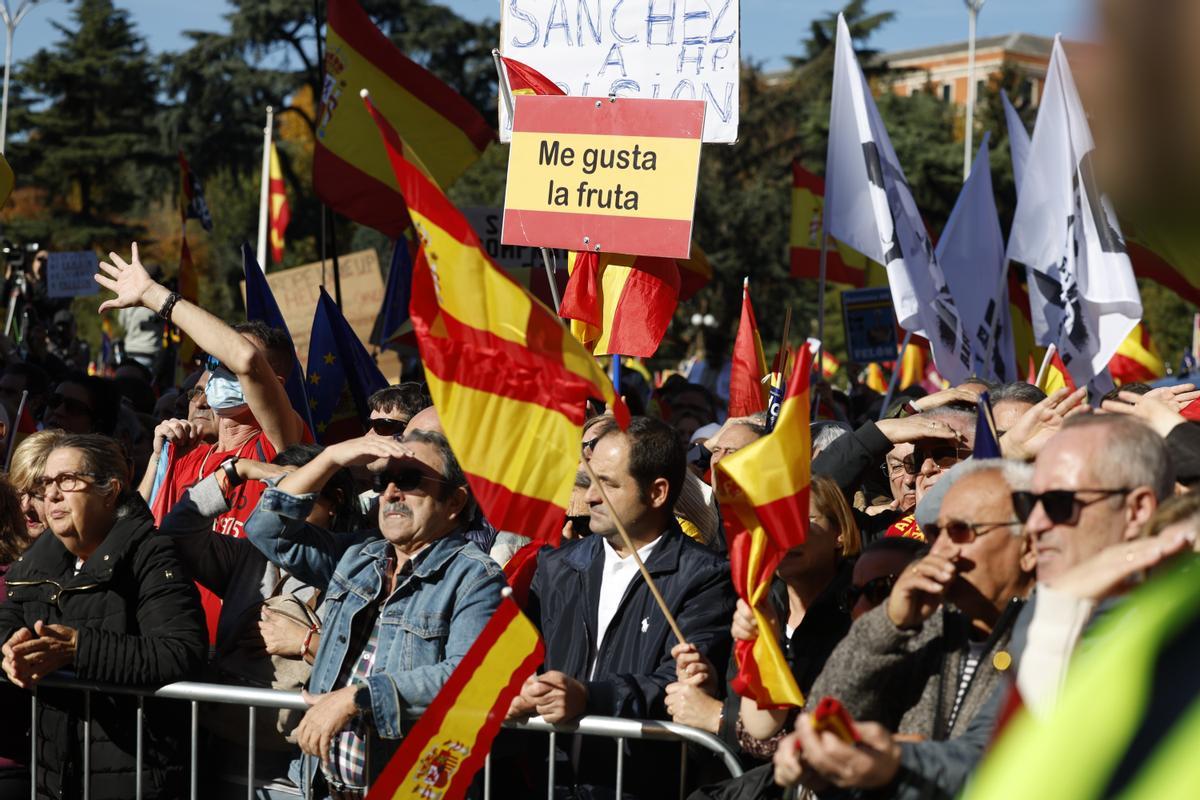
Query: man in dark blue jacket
x=608, y=644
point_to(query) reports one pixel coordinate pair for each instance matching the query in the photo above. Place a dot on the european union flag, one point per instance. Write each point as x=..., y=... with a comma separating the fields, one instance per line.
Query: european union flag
x=394, y=312
x=341, y=375
x=261, y=306
x=987, y=441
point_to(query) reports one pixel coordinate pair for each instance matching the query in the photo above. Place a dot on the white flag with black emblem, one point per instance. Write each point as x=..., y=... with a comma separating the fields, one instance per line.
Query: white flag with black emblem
x=970, y=254
x=1082, y=291
x=870, y=207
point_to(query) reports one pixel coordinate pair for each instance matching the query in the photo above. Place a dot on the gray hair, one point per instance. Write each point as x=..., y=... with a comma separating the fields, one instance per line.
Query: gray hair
x=826, y=433
x=967, y=415
x=452, y=472
x=1017, y=392
x=1133, y=454
x=1017, y=475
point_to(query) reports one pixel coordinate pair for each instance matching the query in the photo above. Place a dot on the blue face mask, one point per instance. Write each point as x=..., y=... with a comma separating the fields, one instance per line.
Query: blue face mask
x=224, y=393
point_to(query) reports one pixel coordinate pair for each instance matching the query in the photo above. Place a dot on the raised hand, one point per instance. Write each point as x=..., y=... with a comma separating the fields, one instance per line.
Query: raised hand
x=128, y=279
x=1035, y=427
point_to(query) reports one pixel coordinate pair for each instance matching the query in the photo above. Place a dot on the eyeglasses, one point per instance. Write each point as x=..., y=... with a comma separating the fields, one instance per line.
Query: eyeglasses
x=66, y=482
x=963, y=532
x=192, y=394
x=1061, y=505
x=72, y=405
x=384, y=426
x=944, y=456
x=406, y=479
x=875, y=590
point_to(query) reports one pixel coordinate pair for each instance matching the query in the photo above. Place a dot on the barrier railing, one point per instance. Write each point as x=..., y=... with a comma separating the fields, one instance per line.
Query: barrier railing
x=253, y=699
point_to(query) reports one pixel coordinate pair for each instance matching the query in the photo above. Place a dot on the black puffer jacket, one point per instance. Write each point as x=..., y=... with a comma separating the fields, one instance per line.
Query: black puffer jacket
x=139, y=622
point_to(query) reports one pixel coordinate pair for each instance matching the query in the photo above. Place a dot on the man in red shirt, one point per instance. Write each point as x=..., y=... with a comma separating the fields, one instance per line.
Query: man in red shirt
x=248, y=364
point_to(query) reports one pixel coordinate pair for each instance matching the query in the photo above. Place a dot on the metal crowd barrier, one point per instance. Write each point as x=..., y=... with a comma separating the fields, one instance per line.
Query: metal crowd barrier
x=195, y=693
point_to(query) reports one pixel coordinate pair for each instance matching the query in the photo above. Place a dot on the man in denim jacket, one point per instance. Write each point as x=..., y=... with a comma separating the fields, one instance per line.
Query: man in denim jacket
x=400, y=609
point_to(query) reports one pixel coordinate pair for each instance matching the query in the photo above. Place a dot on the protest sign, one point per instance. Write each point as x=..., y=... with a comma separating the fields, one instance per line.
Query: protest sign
x=298, y=289
x=614, y=176
x=487, y=222
x=71, y=274
x=870, y=324
x=661, y=49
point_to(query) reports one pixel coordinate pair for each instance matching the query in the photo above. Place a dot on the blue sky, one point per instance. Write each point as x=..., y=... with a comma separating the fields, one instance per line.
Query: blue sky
x=771, y=29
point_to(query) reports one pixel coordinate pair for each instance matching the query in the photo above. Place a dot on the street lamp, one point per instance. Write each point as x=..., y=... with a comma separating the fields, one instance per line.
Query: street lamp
x=11, y=20
x=973, y=8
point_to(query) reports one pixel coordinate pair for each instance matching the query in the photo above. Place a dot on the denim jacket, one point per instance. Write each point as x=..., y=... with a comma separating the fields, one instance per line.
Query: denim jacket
x=436, y=613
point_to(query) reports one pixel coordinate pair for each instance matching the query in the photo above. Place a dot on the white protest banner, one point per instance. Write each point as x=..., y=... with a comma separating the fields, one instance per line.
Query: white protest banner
x=72, y=274
x=661, y=49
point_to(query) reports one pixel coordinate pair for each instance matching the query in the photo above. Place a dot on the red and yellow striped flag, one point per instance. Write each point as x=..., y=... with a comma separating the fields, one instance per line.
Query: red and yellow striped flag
x=913, y=364
x=510, y=383
x=876, y=379
x=763, y=491
x=1057, y=376
x=524, y=79
x=620, y=303
x=441, y=754
x=694, y=272
x=277, y=206
x=442, y=132
x=1136, y=359
x=842, y=263
x=747, y=392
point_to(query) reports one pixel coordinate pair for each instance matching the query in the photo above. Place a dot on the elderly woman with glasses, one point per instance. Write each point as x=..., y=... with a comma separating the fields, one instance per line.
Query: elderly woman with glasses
x=109, y=599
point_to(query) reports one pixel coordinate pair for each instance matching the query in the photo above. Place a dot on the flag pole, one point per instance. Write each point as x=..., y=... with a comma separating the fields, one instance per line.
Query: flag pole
x=658, y=598
x=1050, y=351
x=895, y=381
x=264, y=192
x=14, y=425
x=820, y=354
x=506, y=95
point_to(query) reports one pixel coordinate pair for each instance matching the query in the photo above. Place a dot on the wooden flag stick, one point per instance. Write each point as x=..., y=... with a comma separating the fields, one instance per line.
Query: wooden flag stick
x=781, y=358
x=662, y=604
x=1041, y=376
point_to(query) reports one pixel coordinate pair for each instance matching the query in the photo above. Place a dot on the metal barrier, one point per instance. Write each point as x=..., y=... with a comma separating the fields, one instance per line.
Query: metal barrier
x=253, y=699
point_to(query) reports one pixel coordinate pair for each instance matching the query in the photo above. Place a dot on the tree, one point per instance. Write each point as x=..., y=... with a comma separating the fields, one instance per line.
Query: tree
x=94, y=145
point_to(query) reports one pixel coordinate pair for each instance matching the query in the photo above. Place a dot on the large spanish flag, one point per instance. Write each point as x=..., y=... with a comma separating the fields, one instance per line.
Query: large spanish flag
x=1166, y=254
x=842, y=264
x=747, y=392
x=1136, y=360
x=618, y=303
x=441, y=754
x=763, y=491
x=441, y=131
x=510, y=383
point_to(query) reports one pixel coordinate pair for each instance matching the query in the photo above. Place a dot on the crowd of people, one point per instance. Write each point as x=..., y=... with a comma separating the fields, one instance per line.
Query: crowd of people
x=151, y=534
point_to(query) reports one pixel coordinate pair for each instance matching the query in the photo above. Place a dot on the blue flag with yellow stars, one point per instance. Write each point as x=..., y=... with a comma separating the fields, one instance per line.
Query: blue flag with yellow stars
x=261, y=306
x=341, y=376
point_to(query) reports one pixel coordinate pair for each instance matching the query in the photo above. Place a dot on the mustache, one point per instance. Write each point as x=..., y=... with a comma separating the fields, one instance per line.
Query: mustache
x=395, y=507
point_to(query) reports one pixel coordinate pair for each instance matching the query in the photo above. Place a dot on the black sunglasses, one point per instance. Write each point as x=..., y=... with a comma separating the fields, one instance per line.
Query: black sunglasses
x=72, y=405
x=945, y=456
x=405, y=479
x=387, y=427
x=875, y=590
x=963, y=532
x=1060, y=505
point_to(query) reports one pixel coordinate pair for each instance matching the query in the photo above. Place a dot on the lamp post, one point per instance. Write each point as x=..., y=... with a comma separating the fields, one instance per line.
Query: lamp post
x=973, y=8
x=11, y=20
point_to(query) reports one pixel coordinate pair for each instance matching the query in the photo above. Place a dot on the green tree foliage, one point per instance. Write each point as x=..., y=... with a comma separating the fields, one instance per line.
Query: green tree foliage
x=91, y=142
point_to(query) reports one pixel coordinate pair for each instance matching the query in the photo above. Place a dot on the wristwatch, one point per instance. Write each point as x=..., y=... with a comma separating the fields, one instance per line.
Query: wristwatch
x=229, y=466
x=362, y=700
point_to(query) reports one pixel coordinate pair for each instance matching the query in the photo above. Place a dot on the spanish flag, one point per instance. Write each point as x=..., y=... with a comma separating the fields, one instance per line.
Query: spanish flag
x=1021, y=318
x=763, y=492
x=510, y=383
x=1136, y=360
x=442, y=132
x=277, y=205
x=747, y=392
x=913, y=364
x=842, y=264
x=829, y=364
x=876, y=379
x=524, y=79
x=447, y=746
x=619, y=303
x=1166, y=254
x=1057, y=376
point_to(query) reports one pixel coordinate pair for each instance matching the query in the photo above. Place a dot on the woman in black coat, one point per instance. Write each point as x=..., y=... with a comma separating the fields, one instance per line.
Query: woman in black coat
x=109, y=599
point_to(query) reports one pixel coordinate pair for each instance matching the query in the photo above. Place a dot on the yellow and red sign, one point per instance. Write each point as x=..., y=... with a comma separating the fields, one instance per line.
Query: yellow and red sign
x=603, y=175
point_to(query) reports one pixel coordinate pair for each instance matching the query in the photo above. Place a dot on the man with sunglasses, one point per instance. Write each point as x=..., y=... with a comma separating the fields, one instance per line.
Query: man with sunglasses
x=393, y=407
x=403, y=602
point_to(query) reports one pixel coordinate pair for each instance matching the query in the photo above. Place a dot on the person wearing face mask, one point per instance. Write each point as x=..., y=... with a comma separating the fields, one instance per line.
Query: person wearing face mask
x=247, y=366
